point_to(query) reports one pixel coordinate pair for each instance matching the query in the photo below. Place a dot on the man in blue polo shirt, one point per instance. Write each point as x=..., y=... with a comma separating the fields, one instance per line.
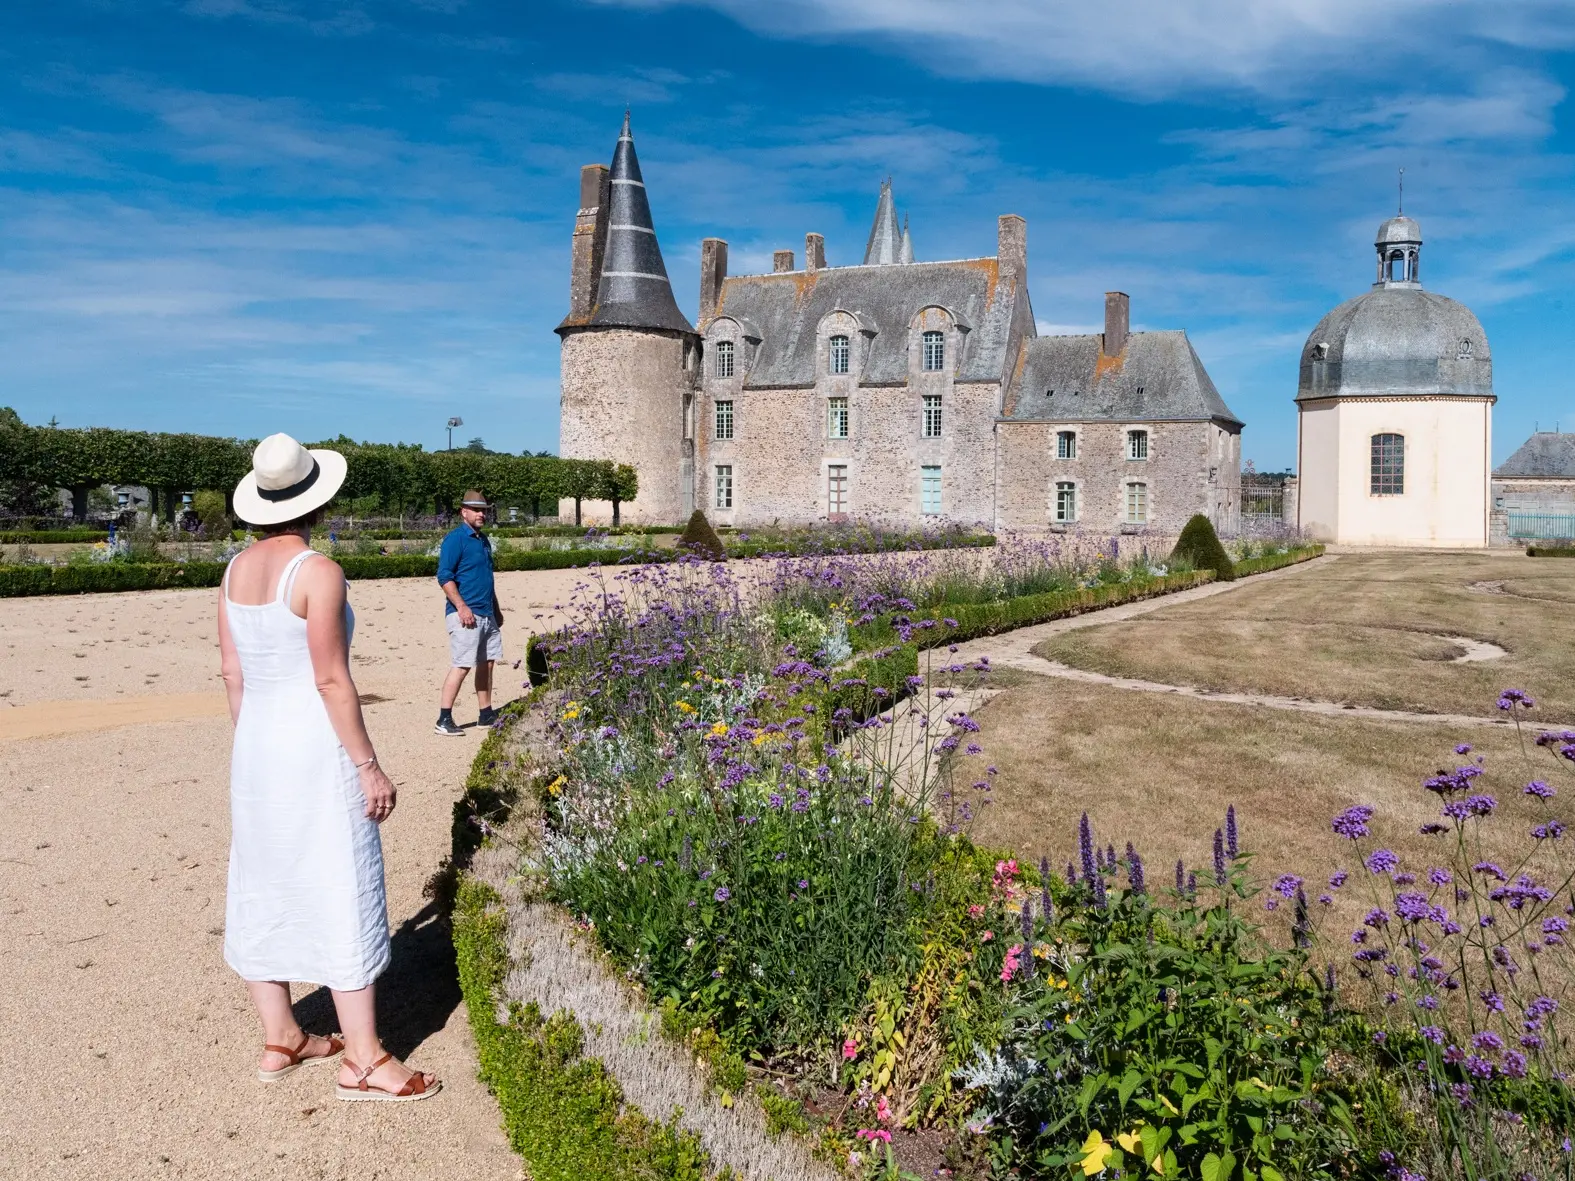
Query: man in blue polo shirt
x=472, y=614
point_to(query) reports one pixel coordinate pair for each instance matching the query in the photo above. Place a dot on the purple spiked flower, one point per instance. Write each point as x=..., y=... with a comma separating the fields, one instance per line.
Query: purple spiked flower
x=1219, y=857
x=1232, y=848
x=1180, y=877
x=1134, y=869
x=1085, y=844
x=1027, y=921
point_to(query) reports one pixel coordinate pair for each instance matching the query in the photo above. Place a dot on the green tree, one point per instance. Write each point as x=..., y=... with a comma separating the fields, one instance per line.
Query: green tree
x=1200, y=545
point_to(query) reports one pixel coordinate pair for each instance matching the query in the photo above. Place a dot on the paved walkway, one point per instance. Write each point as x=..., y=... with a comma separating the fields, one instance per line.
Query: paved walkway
x=1015, y=650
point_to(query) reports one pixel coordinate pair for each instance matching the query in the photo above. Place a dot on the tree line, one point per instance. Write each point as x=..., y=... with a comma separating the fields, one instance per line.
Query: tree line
x=398, y=477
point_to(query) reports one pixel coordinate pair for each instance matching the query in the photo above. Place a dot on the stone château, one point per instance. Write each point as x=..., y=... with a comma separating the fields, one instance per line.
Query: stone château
x=895, y=390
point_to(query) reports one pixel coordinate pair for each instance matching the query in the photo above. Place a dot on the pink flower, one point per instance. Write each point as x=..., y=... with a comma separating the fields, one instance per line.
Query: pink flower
x=987, y=936
x=1012, y=963
x=874, y=1134
x=883, y=1110
x=975, y=912
x=850, y=1050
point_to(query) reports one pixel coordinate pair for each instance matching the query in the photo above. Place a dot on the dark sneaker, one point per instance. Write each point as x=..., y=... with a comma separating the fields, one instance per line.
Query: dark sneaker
x=446, y=726
x=488, y=716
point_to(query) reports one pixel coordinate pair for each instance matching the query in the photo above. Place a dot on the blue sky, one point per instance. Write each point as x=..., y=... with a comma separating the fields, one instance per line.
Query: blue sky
x=239, y=216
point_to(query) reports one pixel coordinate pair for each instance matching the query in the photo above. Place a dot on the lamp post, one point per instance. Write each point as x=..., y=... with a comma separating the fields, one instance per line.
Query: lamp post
x=452, y=423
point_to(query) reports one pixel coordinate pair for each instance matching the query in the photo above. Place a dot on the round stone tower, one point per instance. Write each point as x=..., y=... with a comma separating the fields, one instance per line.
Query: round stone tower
x=629, y=357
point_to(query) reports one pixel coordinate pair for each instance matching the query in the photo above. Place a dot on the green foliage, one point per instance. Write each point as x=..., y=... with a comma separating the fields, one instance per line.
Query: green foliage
x=211, y=514
x=563, y=1112
x=700, y=539
x=1267, y=562
x=1170, y=1031
x=1550, y=551
x=1200, y=545
x=53, y=536
x=783, y=1113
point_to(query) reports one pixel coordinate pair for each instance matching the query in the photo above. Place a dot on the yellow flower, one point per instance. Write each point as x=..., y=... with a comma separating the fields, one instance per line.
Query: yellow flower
x=570, y=715
x=1041, y=952
x=719, y=730
x=556, y=786
x=758, y=739
x=1095, y=1152
x=1129, y=1141
x=686, y=707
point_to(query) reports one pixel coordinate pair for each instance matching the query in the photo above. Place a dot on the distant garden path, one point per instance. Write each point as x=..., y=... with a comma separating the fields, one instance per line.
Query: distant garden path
x=1015, y=650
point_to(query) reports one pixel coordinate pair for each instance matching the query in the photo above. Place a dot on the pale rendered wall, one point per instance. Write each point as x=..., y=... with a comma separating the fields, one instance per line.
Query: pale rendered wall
x=622, y=399
x=1317, y=468
x=1445, y=501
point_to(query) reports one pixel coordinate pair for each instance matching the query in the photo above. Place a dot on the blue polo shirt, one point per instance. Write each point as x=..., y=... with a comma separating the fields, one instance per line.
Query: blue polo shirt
x=466, y=559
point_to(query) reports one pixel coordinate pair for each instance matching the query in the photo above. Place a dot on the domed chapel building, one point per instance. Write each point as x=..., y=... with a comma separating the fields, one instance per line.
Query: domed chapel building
x=896, y=390
x=1395, y=412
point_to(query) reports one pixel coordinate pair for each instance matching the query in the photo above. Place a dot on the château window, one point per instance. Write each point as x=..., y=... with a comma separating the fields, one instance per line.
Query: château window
x=841, y=354
x=837, y=418
x=1137, y=504
x=1066, y=502
x=836, y=489
x=1388, y=468
x=1137, y=444
x=724, y=420
x=932, y=416
x=1066, y=445
x=724, y=358
x=930, y=491
x=724, y=485
x=934, y=351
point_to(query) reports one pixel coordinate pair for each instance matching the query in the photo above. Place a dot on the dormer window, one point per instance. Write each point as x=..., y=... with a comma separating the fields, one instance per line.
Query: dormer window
x=1463, y=351
x=934, y=351
x=841, y=354
x=724, y=358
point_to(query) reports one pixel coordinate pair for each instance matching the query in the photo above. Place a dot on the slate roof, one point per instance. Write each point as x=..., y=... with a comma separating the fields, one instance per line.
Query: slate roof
x=1546, y=454
x=885, y=241
x=1397, y=340
x=634, y=291
x=1157, y=376
x=785, y=311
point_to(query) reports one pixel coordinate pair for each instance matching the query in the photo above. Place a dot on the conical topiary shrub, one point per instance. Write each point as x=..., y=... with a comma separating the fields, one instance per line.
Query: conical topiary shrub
x=700, y=539
x=1200, y=545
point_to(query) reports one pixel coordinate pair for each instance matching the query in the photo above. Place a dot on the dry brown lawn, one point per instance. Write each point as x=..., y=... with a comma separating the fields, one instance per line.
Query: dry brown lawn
x=1159, y=771
x=1362, y=629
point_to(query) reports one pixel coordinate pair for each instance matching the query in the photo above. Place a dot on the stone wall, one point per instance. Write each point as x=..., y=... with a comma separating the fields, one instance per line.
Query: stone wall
x=1192, y=467
x=623, y=399
x=1545, y=496
x=782, y=446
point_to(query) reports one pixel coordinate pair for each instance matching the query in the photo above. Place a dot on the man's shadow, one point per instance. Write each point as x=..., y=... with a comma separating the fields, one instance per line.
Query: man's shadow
x=415, y=996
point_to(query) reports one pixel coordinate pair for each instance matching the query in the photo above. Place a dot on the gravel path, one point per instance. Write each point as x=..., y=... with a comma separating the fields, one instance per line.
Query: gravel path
x=128, y=1046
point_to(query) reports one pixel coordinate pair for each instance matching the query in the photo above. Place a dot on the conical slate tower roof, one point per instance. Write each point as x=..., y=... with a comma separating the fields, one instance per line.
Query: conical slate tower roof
x=634, y=291
x=885, y=245
x=905, y=247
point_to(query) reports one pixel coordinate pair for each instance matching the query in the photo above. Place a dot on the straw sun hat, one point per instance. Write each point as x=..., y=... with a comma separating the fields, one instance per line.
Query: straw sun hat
x=287, y=481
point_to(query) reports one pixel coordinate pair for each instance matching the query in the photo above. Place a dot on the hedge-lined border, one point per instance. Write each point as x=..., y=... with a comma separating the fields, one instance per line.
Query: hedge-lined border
x=1291, y=557
x=54, y=537
x=1550, y=551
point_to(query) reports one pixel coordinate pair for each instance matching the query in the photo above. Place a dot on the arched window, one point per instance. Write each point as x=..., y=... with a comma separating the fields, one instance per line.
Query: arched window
x=841, y=354
x=1388, y=467
x=724, y=358
x=934, y=351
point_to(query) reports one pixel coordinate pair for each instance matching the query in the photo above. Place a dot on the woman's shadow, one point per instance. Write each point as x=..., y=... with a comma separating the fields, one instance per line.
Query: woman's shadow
x=415, y=996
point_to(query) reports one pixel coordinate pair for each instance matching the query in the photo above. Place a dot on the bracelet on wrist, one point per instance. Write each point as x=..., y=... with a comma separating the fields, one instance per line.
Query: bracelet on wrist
x=371, y=762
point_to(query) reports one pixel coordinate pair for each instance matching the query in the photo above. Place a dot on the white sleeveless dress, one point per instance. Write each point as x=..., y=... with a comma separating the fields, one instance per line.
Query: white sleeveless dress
x=305, y=900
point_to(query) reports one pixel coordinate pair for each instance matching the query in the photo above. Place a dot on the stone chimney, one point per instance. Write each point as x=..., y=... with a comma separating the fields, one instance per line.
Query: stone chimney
x=1011, y=250
x=814, y=252
x=1118, y=322
x=781, y=262
x=590, y=239
x=713, y=269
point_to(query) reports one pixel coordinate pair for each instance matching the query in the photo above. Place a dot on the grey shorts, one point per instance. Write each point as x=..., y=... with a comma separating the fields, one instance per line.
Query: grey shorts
x=470, y=646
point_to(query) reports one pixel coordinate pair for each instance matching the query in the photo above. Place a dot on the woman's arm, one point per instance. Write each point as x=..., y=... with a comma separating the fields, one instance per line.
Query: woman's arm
x=321, y=584
x=229, y=661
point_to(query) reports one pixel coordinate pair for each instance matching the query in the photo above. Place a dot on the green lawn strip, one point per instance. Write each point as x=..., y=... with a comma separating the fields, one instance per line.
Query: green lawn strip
x=1550, y=551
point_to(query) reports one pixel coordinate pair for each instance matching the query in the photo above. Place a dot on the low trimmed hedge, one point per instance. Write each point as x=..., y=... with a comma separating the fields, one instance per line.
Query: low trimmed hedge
x=1550, y=551
x=1269, y=562
x=766, y=549
x=54, y=537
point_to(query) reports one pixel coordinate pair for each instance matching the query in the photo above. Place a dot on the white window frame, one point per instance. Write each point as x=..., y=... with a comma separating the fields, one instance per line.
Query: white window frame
x=839, y=354
x=1066, y=444
x=837, y=418
x=1136, y=496
x=836, y=496
x=1059, y=512
x=930, y=490
x=933, y=346
x=931, y=427
x=723, y=482
x=1137, y=444
x=722, y=418
x=724, y=359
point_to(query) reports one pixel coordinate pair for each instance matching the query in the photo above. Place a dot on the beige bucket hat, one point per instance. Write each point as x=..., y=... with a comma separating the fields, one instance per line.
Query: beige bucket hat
x=287, y=481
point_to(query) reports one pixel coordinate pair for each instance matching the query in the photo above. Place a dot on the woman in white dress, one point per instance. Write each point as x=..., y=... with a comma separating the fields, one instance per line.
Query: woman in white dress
x=305, y=899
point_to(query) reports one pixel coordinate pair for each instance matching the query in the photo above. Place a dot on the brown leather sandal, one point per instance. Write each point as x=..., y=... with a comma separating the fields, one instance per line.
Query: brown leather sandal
x=335, y=1046
x=415, y=1087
